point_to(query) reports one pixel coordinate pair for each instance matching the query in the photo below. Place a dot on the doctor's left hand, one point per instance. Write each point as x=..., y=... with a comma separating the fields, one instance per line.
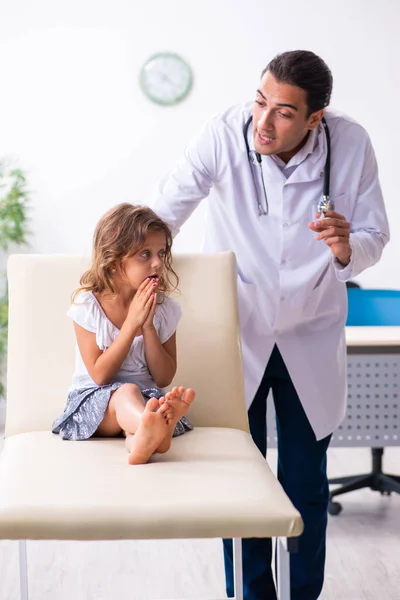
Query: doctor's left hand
x=334, y=230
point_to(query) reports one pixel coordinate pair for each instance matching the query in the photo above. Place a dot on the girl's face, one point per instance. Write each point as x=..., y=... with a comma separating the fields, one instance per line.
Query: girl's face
x=147, y=262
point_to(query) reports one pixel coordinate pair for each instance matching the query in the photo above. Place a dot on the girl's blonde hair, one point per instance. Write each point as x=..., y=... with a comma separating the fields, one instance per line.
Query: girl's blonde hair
x=120, y=233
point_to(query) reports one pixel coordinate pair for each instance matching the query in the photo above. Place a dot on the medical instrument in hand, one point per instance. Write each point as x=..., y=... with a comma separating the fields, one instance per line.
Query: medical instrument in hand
x=255, y=157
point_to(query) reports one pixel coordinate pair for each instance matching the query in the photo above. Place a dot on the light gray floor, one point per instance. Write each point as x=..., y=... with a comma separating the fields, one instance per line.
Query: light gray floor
x=363, y=555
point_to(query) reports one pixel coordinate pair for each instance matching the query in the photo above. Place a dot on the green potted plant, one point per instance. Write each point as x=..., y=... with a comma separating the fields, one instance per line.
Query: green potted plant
x=14, y=198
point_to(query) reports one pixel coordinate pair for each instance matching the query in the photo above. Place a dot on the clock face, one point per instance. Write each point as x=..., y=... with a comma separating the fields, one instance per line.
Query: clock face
x=166, y=78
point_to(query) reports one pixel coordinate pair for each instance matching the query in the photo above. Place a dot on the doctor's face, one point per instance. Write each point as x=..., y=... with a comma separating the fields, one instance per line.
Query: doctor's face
x=280, y=121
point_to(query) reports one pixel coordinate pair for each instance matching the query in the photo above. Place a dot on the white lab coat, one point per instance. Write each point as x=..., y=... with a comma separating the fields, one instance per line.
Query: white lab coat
x=291, y=290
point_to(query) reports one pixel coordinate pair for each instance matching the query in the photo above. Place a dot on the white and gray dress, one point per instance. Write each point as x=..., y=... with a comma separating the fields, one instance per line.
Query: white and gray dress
x=87, y=401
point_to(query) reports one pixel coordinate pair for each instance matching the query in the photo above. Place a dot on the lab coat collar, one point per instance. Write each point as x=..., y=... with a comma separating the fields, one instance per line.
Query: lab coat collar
x=311, y=168
x=308, y=148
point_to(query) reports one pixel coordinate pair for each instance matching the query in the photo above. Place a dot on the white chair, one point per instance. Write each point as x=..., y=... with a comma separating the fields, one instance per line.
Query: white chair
x=229, y=490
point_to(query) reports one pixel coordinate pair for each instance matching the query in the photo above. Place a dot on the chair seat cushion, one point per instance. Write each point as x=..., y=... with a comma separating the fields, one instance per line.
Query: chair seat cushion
x=213, y=482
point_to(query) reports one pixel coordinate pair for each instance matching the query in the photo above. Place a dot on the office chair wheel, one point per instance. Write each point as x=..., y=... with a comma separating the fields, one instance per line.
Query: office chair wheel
x=334, y=508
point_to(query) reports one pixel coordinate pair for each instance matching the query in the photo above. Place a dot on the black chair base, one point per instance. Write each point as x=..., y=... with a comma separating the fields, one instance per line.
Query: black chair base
x=376, y=481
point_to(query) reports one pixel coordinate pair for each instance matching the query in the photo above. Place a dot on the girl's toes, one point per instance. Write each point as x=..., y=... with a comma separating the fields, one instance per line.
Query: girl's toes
x=152, y=405
x=189, y=396
x=164, y=409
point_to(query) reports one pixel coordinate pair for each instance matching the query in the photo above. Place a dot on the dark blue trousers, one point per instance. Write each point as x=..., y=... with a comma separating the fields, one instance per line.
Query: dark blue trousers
x=302, y=473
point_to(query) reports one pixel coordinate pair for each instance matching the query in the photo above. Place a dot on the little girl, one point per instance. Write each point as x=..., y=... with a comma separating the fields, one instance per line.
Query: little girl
x=125, y=326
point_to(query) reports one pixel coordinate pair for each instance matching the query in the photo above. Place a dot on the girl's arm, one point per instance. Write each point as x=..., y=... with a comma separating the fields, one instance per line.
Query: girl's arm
x=160, y=358
x=102, y=366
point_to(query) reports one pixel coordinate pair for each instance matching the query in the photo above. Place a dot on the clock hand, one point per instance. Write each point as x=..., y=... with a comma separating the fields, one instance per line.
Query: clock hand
x=166, y=78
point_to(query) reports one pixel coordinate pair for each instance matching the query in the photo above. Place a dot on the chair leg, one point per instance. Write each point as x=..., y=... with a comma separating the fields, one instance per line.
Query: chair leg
x=357, y=484
x=237, y=568
x=377, y=480
x=346, y=479
x=387, y=483
x=283, y=569
x=23, y=570
x=393, y=477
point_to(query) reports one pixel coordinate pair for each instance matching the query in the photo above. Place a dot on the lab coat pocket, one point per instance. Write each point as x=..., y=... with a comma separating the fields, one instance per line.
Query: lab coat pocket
x=340, y=204
x=321, y=276
x=246, y=300
x=325, y=301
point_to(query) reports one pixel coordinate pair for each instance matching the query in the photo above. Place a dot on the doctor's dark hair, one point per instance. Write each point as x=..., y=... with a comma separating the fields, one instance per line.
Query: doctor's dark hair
x=119, y=234
x=307, y=71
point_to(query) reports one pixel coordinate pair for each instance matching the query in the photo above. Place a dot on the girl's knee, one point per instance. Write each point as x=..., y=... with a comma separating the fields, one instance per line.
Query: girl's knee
x=130, y=388
x=123, y=394
x=128, y=394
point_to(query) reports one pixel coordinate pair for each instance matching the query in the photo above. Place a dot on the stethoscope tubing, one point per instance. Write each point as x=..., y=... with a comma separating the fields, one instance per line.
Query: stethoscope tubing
x=327, y=169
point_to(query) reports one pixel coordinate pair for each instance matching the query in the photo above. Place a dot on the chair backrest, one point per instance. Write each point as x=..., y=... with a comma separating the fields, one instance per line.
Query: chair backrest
x=41, y=346
x=373, y=307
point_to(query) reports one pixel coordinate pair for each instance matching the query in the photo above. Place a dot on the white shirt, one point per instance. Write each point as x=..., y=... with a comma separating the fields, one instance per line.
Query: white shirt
x=308, y=148
x=87, y=312
x=291, y=291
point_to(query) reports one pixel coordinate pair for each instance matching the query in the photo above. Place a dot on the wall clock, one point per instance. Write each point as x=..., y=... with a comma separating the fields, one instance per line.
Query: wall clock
x=166, y=78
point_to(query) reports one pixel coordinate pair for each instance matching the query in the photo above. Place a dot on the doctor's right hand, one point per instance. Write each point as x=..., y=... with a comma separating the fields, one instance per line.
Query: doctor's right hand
x=334, y=230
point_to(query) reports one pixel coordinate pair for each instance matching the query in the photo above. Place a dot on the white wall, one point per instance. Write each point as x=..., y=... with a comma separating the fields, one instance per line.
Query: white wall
x=73, y=115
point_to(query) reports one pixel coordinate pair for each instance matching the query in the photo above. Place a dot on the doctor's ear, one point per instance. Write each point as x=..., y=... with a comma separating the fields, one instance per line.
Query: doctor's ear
x=315, y=119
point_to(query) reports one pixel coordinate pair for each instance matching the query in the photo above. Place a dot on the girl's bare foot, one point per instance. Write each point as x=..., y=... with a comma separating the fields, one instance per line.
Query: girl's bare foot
x=150, y=433
x=179, y=400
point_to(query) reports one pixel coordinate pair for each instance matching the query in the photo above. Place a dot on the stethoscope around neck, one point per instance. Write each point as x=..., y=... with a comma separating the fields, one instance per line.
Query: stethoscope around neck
x=324, y=203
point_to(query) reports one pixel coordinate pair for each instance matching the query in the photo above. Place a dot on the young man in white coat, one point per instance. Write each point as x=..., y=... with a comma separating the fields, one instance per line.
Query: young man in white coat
x=263, y=164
